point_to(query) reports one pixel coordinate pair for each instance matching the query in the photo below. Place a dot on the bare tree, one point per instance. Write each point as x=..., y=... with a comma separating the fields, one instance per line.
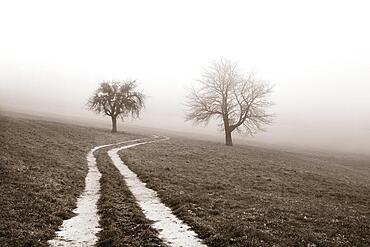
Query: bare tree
x=117, y=99
x=238, y=101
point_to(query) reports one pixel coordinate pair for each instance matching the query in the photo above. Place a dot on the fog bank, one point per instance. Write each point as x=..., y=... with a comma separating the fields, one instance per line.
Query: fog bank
x=54, y=54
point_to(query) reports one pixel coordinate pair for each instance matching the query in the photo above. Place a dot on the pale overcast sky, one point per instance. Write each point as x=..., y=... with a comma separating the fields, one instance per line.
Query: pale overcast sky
x=53, y=54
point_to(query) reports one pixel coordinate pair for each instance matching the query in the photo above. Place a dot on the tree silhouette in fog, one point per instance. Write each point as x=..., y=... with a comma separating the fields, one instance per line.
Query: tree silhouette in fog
x=238, y=101
x=117, y=99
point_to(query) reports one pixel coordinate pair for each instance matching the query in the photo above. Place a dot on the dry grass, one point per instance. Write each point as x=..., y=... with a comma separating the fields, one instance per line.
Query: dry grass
x=241, y=196
x=42, y=170
x=247, y=196
x=122, y=221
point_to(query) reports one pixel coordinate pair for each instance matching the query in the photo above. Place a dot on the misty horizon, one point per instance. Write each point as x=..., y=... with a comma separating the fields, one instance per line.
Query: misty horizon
x=319, y=66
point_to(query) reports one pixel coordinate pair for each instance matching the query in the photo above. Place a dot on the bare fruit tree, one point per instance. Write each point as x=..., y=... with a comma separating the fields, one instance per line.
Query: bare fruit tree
x=240, y=102
x=117, y=99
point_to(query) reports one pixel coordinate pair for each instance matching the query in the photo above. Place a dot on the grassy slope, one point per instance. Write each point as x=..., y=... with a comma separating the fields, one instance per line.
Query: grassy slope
x=246, y=196
x=42, y=171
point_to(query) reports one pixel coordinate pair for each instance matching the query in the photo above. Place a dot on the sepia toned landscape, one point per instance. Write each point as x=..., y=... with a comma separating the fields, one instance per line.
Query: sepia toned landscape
x=184, y=123
x=240, y=196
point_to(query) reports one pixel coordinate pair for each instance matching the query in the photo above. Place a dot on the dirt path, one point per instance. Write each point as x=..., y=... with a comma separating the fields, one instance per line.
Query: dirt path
x=171, y=230
x=81, y=229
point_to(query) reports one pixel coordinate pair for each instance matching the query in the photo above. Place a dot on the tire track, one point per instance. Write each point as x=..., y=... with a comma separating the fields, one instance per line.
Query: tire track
x=81, y=229
x=171, y=230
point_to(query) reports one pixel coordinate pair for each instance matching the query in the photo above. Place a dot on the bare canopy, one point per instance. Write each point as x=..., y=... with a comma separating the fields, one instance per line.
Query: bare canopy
x=117, y=99
x=238, y=101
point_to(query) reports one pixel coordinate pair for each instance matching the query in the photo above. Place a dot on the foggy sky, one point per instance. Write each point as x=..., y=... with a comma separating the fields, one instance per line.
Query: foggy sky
x=53, y=54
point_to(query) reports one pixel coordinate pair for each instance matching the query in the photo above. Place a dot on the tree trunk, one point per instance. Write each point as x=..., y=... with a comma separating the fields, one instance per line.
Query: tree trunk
x=114, y=124
x=229, y=141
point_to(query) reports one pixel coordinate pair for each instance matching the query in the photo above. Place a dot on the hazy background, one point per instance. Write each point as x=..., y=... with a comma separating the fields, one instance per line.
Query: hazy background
x=53, y=54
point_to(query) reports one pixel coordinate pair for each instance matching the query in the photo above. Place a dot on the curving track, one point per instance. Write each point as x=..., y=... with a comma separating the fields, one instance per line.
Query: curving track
x=81, y=230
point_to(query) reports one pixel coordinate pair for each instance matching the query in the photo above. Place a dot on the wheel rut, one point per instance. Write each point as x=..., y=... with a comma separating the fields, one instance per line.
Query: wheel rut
x=82, y=229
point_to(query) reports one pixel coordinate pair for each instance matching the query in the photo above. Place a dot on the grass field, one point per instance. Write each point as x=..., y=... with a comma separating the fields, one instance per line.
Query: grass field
x=240, y=196
x=247, y=196
x=42, y=171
